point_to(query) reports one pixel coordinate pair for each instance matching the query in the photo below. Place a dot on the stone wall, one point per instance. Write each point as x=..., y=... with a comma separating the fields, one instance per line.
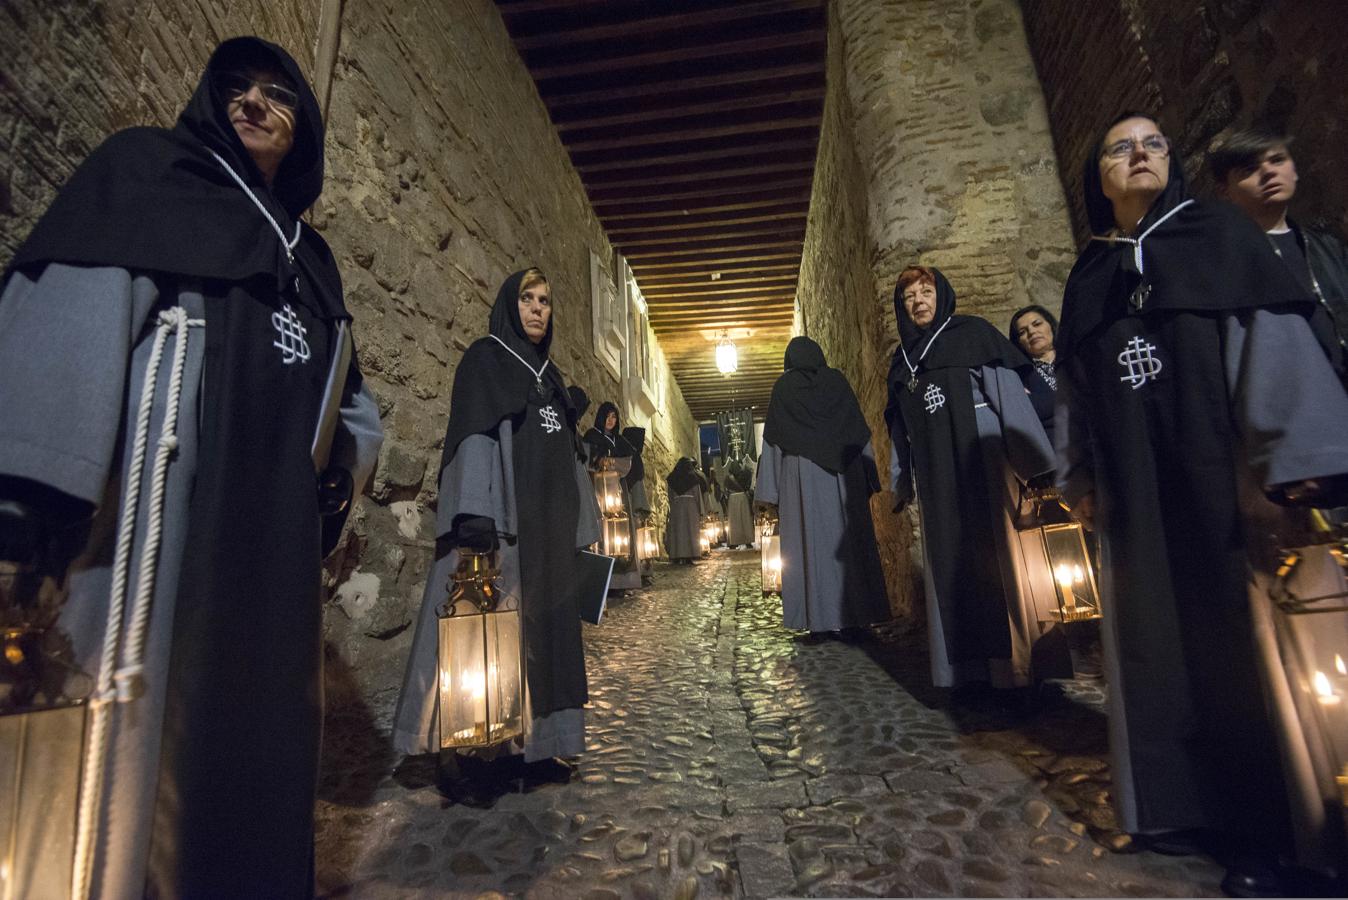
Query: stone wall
x=1206, y=68
x=835, y=300
x=444, y=175
x=935, y=149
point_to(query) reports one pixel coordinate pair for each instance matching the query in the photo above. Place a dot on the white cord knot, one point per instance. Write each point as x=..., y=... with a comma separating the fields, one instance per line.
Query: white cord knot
x=129, y=681
x=169, y=442
x=171, y=316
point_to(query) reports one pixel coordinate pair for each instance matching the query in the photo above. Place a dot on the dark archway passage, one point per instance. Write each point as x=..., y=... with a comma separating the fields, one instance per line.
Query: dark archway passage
x=729, y=757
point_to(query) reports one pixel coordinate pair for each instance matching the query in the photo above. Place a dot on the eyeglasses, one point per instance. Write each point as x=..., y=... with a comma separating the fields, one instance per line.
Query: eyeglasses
x=233, y=85
x=1153, y=144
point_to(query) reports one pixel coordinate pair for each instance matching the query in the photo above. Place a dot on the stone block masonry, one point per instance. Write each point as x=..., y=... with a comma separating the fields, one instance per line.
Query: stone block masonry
x=444, y=174
x=934, y=149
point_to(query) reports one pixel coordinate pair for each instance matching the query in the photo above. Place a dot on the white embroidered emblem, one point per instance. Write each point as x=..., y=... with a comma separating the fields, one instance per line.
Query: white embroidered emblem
x=292, y=344
x=550, y=421
x=934, y=397
x=1142, y=366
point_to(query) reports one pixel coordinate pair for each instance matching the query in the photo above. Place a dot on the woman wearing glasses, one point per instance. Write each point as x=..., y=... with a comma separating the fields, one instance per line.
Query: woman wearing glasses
x=173, y=352
x=1178, y=411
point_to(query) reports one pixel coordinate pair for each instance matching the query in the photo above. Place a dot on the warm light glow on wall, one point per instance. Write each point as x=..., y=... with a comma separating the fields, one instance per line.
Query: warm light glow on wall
x=727, y=357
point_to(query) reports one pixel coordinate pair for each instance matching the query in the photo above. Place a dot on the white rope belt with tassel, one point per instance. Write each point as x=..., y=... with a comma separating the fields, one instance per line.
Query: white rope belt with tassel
x=122, y=683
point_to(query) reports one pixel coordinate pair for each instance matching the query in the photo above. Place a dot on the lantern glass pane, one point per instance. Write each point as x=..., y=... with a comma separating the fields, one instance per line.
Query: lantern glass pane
x=1314, y=635
x=772, y=564
x=40, y=759
x=608, y=492
x=480, y=679
x=617, y=537
x=1073, y=577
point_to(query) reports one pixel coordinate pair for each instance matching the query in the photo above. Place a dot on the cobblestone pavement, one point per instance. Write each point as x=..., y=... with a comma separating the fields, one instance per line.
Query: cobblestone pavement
x=730, y=757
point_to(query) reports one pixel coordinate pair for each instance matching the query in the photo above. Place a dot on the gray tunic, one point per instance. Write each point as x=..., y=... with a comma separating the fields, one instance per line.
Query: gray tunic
x=739, y=520
x=95, y=329
x=479, y=481
x=1292, y=416
x=684, y=536
x=1005, y=419
x=831, y=574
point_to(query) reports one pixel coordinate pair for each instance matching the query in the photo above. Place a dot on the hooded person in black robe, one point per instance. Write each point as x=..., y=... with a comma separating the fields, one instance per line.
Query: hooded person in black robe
x=197, y=338
x=609, y=449
x=683, y=535
x=510, y=482
x=1190, y=385
x=966, y=433
x=818, y=470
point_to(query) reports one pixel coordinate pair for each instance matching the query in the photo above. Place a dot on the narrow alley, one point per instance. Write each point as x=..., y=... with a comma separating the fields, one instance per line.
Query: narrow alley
x=730, y=757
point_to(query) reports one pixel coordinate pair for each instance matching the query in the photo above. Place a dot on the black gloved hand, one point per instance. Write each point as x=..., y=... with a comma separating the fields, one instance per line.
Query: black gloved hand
x=335, y=491
x=476, y=533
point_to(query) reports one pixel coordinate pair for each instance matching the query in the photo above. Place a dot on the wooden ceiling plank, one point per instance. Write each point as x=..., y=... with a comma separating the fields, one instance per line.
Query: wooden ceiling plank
x=721, y=81
x=780, y=200
x=792, y=187
x=737, y=47
x=652, y=287
x=671, y=251
x=702, y=175
x=775, y=231
x=647, y=25
x=630, y=139
x=657, y=268
x=711, y=224
x=774, y=149
x=656, y=113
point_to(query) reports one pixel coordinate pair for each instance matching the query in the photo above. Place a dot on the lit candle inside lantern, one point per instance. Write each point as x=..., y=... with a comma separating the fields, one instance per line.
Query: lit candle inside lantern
x=1338, y=664
x=1324, y=691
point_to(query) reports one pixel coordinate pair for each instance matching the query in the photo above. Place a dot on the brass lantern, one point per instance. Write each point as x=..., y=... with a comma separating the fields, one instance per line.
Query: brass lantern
x=771, y=560
x=608, y=492
x=481, y=677
x=1073, y=576
x=617, y=537
x=43, y=705
x=647, y=545
x=1310, y=594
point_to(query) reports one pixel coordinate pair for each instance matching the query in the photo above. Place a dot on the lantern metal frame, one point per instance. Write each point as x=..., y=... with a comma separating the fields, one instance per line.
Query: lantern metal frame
x=648, y=546
x=1313, y=682
x=44, y=726
x=608, y=492
x=617, y=536
x=770, y=559
x=476, y=615
x=1082, y=572
x=1076, y=591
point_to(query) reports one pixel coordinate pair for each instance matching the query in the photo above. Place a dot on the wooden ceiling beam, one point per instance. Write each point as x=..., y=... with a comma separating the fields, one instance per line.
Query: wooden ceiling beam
x=717, y=238
x=719, y=82
x=630, y=139
x=700, y=176
x=792, y=187
x=657, y=268
x=669, y=251
x=708, y=291
x=773, y=149
x=738, y=48
x=711, y=225
x=746, y=100
x=654, y=287
x=648, y=25
x=675, y=213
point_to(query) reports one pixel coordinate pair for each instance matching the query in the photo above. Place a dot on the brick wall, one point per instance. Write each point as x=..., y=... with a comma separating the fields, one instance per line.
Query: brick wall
x=444, y=175
x=1205, y=68
x=935, y=149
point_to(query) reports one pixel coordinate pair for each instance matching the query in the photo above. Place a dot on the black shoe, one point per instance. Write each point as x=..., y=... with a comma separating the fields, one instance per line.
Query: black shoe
x=1252, y=878
x=1171, y=843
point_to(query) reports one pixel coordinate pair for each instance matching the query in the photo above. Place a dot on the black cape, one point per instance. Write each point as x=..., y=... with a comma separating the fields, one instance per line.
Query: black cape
x=1143, y=346
x=636, y=439
x=813, y=411
x=684, y=476
x=949, y=468
x=239, y=758
x=493, y=385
